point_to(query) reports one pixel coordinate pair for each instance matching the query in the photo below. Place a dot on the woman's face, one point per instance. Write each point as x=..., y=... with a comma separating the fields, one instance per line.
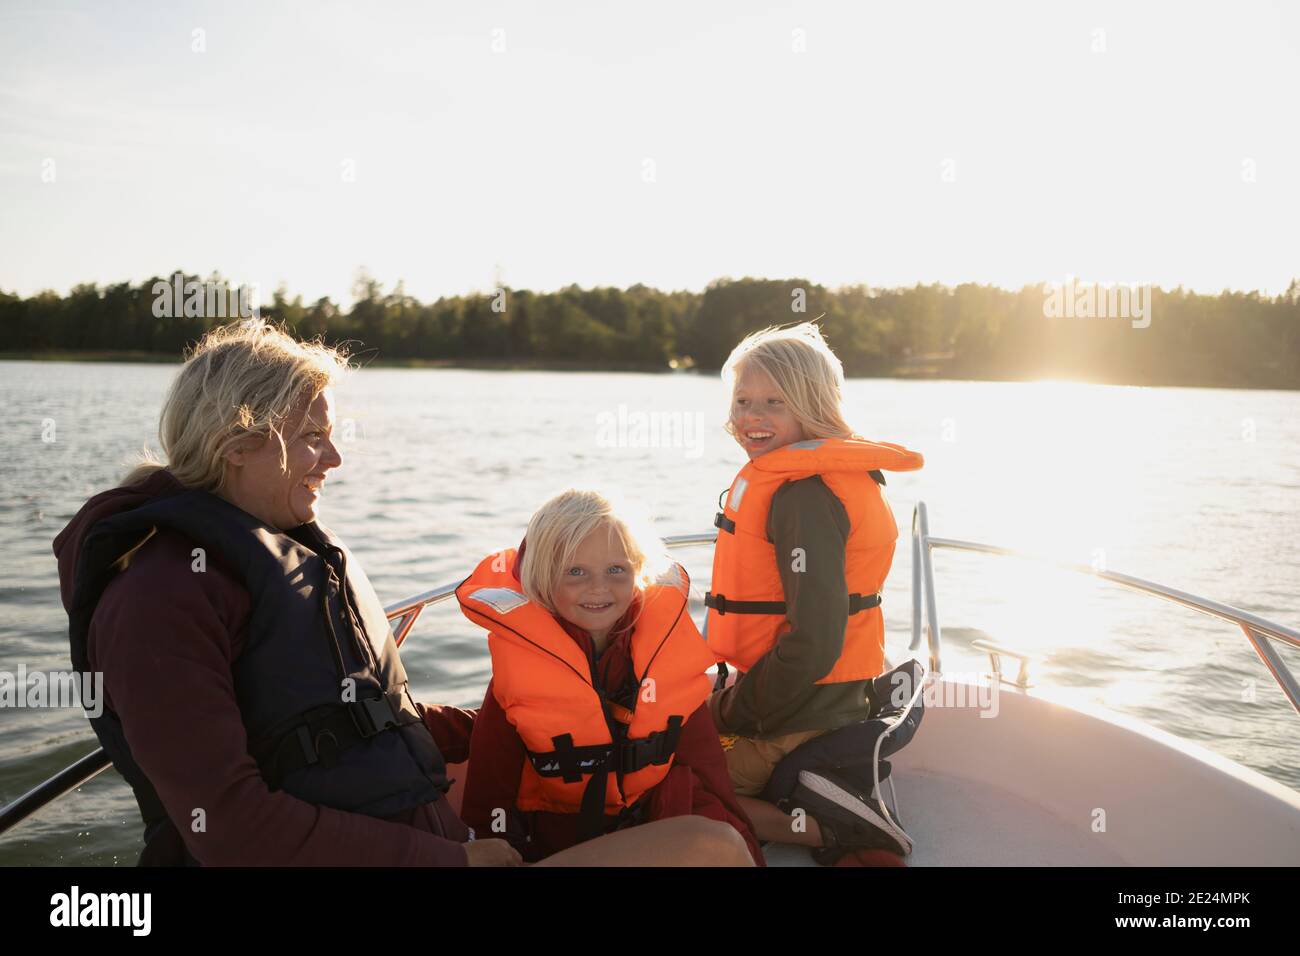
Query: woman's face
x=596, y=588
x=760, y=418
x=284, y=498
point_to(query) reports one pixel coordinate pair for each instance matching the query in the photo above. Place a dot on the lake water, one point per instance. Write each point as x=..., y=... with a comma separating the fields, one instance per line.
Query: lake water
x=1195, y=488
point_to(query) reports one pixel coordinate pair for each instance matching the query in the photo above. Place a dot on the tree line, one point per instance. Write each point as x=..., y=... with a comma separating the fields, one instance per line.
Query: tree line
x=1242, y=339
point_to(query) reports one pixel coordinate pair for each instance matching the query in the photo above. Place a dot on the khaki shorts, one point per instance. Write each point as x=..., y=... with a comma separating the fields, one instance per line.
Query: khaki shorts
x=750, y=761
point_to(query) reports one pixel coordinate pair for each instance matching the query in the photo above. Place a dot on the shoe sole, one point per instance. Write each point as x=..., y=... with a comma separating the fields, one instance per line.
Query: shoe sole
x=846, y=801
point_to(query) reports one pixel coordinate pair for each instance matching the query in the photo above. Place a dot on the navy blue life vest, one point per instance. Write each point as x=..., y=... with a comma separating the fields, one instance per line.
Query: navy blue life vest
x=320, y=686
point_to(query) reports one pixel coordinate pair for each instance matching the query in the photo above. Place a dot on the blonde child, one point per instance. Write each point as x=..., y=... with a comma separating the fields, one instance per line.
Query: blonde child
x=596, y=717
x=805, y=541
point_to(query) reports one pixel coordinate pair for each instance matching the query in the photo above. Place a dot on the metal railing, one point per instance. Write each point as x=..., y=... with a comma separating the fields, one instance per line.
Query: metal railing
x=1258, y=631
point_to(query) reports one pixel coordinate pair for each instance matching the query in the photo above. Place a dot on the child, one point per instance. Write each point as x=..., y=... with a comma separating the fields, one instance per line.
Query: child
x=805, y=541
x=596, y=716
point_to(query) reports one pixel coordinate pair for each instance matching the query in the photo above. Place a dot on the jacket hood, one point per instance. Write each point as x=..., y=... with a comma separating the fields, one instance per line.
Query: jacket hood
x=67, y=545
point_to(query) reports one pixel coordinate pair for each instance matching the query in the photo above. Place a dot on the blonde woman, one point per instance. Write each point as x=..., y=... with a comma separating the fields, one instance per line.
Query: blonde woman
x=805, y=540
x=256, y=703
x=596, y=718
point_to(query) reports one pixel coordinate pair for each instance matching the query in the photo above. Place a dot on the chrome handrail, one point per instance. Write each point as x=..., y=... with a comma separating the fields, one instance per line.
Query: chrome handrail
x=1254, y=627
x=995, y=652
x=403, y=615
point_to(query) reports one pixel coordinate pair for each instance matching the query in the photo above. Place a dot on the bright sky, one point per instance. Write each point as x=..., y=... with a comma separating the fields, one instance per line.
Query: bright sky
x=663, y=143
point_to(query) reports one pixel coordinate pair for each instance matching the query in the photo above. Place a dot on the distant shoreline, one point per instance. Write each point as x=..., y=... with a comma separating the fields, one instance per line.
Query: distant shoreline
x=924, y=373
x=506, y=365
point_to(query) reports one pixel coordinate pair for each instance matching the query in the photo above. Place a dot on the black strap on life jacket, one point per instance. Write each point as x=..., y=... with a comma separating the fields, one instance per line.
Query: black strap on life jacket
x=573, y=763
x=720, y=682
x=721, y=604
x=627, y=756
x=863, y=602
x=724, y=605
x=591, y=812
x=720, y=520
x=319, y=736
x=570, y=762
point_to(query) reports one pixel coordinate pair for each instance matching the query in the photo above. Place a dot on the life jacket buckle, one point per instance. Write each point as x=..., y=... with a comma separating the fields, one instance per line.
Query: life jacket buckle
x=863, y=602
x=658, y=748
x=372, y=715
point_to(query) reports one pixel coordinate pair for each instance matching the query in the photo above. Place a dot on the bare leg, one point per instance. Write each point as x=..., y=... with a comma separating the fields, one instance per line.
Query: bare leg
x=772, y=823
x=676, y=841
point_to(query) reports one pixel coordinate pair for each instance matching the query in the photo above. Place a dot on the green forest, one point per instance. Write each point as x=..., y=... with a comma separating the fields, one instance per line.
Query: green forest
x=1239, y=339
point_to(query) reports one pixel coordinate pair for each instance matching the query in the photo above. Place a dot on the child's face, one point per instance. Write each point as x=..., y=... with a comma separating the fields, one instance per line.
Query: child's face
x=759, y=415
x=596, y=588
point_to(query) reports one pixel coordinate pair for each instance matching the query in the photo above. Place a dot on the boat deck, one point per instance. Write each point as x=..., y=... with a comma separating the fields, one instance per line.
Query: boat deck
x=959, y=822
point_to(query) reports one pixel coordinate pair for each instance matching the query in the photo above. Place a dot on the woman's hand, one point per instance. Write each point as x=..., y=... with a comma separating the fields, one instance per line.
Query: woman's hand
x=492, y=853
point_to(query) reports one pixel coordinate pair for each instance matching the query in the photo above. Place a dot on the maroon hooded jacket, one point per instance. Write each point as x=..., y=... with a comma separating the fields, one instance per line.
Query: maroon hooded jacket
x=165, y=639
x=697, y=784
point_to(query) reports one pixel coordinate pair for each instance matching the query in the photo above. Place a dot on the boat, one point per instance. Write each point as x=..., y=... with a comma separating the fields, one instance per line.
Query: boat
x=1047, y=783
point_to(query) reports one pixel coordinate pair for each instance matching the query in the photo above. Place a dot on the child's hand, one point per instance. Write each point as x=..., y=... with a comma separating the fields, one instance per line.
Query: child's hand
x=492, y=853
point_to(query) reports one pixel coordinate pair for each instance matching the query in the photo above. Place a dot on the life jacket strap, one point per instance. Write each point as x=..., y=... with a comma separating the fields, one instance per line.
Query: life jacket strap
x=863, y=602
x=319, y=736
x=720, y=682
x=720, y=520
x=591, y=811
x=569, y=762
x=573, y=763
x=724, y=605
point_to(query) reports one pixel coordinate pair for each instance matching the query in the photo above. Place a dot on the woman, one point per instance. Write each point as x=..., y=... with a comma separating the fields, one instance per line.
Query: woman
x=255, y=700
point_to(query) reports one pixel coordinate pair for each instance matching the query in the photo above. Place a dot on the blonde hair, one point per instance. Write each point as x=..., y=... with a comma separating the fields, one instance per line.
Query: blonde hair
x=806, y=372
x=241, y=380
x=558, y=528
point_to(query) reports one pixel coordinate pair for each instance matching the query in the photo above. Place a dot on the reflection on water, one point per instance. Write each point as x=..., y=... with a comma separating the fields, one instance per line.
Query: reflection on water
x=1190, y=487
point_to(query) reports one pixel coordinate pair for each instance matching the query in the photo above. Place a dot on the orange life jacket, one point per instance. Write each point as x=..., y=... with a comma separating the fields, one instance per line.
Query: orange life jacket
x=747, y=602
x=543, y=681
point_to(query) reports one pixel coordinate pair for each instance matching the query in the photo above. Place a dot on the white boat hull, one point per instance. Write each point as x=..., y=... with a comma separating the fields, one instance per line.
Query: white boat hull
x=1043, y=783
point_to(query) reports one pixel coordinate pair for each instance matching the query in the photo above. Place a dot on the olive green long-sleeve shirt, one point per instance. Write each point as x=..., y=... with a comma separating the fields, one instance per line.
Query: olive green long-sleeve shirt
x=780, y=694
